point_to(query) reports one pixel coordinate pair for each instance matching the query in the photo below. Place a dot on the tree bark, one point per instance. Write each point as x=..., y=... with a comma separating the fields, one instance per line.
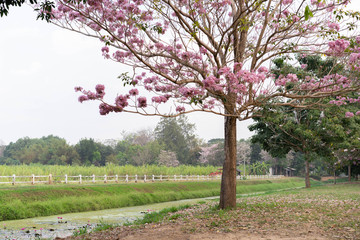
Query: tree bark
x=307, y=173
x=334, y=176
x=349, y=172
x=228, y=179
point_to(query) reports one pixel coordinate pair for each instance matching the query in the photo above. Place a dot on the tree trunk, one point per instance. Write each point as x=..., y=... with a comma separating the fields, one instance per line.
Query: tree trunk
x=228, y=179
x=307, y=173
x=349, y=172
x=334, y=176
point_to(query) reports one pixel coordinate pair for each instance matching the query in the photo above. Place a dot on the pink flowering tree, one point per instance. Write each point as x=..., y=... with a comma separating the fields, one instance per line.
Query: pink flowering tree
x=210, y=56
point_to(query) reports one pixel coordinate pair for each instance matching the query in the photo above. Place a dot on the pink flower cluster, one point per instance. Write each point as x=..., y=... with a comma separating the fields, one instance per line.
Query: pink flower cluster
x=334, y=26
x=338, y=47
x=287, y=2
x=283, y=80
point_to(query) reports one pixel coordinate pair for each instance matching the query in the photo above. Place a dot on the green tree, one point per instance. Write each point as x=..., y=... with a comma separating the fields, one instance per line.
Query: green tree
x=44, y=8
x=255, y=153
x=308, y=131
x=178, y=135
x=46, y=150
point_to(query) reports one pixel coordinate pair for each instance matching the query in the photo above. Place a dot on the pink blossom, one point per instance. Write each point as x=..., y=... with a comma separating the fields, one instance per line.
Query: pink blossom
x=159, y=99
x=357, y=113
x=105, y=49
x=304, y=66
x=224, y=70
x=83, y=98
x=296, y=18
x=203, y=50
x=287, y=2
x=100, y=88
x=134, y=92
x=180, y=109
x=104, y=109
x=142, y=102
x=286, y=13
x=121, y=101
x=338, y=46
x=78, y=89
x=349, y=114
x=263, y=69
x=334, y=26
x=358, y=39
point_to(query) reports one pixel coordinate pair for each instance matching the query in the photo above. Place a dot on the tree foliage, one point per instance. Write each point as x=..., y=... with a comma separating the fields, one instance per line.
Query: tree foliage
x=312, y=132
x=178, y=135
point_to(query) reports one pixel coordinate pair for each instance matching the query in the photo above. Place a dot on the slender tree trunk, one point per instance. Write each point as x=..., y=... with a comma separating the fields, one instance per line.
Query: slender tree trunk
x=334, y=176
x=349, y=172
x=307, y=173
x=228, y=179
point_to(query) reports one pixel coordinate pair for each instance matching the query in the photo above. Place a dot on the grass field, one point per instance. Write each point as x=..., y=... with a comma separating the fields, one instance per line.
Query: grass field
x=322, y=212
x=18, y=202
x=27, y=170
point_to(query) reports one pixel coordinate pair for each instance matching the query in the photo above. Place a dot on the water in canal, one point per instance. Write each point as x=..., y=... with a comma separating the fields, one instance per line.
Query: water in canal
x=65, y=224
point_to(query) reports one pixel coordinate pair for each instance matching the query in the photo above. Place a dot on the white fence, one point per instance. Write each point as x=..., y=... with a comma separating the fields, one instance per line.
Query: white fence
x=80, y=179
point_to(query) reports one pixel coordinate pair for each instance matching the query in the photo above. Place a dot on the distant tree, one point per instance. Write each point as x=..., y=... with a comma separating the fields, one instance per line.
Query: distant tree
x=46, y=150
x=178, y=135
x=243, y=151
x=207, y=152
x=2, y=148
x=90, y=152
x=138, y=148
x=168, y=158
x=255, y=153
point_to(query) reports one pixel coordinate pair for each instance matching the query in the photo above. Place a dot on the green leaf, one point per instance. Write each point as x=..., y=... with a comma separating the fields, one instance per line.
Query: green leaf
x=308, y=13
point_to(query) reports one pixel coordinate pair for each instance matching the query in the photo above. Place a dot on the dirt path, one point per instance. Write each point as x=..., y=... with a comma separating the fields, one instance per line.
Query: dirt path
x=172, y=231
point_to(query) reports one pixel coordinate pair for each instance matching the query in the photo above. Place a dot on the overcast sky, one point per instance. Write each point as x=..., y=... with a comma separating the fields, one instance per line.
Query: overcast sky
x=40, y=64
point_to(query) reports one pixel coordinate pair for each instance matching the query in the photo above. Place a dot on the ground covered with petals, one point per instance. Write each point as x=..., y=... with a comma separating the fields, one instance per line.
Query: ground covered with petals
x=328, y=212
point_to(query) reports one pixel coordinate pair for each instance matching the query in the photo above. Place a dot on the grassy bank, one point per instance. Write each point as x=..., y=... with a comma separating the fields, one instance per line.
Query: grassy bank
x=34, y=201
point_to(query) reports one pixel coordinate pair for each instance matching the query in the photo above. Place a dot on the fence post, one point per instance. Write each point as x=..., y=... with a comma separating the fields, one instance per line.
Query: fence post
x=93, y=178
x=180, y=177
x=153, y=178
x=116, y=178
x=127, y=178
x=144, y=178
x=13, y=179
x=198, y=177
x=160, y=178
x=66, y=179
x=174, y=177
x=32, y=179
x=105, y=178
x=136, y=178
x=50, y=178
x=80, y=180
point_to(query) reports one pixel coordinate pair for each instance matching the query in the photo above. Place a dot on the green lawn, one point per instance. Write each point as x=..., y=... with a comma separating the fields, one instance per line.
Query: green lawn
x=18, y=202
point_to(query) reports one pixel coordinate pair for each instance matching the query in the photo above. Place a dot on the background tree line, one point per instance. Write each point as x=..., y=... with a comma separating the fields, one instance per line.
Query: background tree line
x=173, y=142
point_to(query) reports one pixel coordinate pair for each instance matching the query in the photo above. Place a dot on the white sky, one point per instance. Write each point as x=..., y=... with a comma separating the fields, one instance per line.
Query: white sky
x=40, y=64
